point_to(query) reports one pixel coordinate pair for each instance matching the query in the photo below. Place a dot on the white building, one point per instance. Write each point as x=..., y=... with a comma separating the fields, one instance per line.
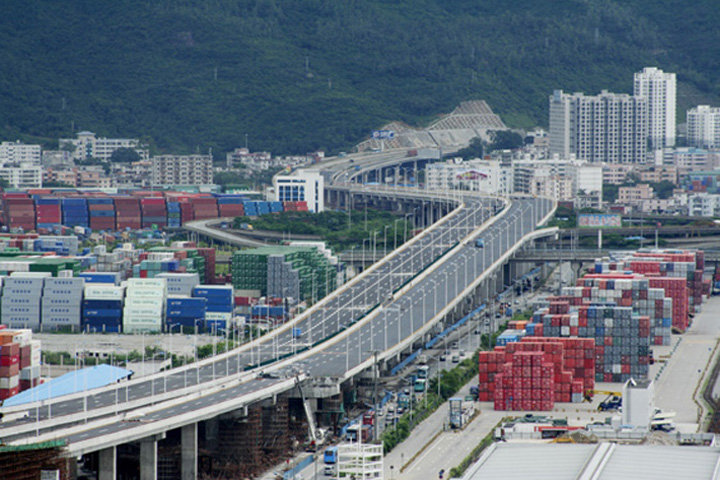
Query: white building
x=475, y=175
x=686, y=159
x=608, y=127
x=26, y=175
x=558, y=179
x=360, y=461
x=87, y=145
x=182, y=170
x=659, y=88
x=303, y=186
x=704, y=205
x=16, y=152
x=703, y=127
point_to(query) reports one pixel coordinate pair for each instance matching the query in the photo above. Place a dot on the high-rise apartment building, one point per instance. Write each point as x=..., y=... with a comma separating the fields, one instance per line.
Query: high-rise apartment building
x=703, y=127
x=182, y=170
x=659, y=88
x=609, y=127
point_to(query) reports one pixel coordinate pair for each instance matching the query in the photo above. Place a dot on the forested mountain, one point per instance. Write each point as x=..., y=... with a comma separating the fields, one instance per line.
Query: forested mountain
x=296, y=75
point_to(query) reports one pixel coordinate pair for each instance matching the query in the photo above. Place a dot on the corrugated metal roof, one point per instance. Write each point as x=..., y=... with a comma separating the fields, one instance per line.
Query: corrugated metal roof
x=72, y=382
x=509, y=461
x=653, y=462
x=521, y=461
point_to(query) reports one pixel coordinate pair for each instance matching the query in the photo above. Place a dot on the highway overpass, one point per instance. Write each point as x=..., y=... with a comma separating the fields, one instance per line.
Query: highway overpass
x=343, y=335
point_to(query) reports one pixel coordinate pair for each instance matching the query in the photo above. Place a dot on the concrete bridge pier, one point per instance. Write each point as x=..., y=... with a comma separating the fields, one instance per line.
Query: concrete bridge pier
x=107, y=463
x=189, y=452
x=149, y=457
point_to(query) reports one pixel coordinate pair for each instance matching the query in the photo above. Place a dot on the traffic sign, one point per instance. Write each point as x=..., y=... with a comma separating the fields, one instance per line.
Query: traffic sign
x=383, y=134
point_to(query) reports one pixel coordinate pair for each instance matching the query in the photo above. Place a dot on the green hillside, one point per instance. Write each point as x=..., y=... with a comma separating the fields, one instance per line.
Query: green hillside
x=297, y=75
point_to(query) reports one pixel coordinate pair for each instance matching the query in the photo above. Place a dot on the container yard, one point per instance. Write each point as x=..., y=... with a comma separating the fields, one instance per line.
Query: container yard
x=47, y=211
x=620, y=310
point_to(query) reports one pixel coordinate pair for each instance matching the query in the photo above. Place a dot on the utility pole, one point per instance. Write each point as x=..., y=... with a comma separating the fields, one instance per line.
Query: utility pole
x=375, y=399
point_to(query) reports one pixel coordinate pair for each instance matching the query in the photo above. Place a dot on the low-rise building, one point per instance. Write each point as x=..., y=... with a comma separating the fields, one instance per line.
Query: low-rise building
x=474, y=175
x=656, y=174
x=20, y=153
x=615, y=174
x=22, y=175
x=635, y=194
x=303, y=186
x=182, y=170
x=88, y=145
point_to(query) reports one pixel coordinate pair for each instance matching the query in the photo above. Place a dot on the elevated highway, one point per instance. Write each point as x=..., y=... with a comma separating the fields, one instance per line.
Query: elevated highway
x=372, y=318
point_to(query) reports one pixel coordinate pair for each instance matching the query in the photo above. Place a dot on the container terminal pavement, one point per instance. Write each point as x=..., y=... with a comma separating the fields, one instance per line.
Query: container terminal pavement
x=143, y=410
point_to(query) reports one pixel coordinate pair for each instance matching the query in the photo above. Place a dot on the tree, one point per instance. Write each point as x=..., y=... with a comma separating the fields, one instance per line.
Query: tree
x=505, y=140
x=610, y=193
x=124, y=155
x=474, y=150
x=663, y=189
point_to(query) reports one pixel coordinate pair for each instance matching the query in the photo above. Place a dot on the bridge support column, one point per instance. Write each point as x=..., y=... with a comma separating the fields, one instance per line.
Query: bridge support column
x=189, y=445
x=107, y=463
x=148, y=457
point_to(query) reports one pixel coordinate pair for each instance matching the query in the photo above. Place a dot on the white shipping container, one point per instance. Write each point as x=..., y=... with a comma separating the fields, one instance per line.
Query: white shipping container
x=28, y=373
x=143, y=311
x=35, y=345
x=104, y=292
x=23, y=336
x=30, y=274
x=9, y=382
x=145, y=292
x=146, y=282
x=141, y=320
x=36, y=357
x=141, y=328
x=144, y=302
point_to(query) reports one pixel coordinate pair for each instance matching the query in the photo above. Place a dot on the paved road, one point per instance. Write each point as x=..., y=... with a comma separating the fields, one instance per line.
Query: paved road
x=396, y=321
x=682, y=374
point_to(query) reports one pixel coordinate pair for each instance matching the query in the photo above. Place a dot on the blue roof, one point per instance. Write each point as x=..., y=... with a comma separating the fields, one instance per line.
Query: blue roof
x=72, y=382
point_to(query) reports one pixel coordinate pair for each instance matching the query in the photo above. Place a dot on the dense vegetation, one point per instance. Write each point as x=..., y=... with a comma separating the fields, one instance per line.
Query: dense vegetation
x=298, y=75
x=341, y=230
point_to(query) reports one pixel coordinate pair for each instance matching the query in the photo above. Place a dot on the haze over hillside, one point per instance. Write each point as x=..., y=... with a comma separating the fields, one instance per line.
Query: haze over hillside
x=298, y=75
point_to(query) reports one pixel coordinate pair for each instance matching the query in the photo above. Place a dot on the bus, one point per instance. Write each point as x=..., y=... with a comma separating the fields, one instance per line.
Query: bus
x=422, y=371
x=331, y=455
x=420, y=385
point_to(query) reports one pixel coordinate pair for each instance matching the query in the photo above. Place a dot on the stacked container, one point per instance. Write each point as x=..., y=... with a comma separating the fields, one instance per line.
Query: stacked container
x=250, y=208
x=525, y=383
x=21, y=300
x=30, y=356
x=185, y=311
x=219, y=306
x=19, y=211
x=48, y=212
x=173, y=214
x=144, y=305
x=103, y=307
x=9, y=364
x=230, y=205
x=187, y=212
x=62, y=304
x=180, y=284
x=128, y=213
x=153, y=212
x=102, y=213
x=208, y=254
x=205, y=208
x=75, y=212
